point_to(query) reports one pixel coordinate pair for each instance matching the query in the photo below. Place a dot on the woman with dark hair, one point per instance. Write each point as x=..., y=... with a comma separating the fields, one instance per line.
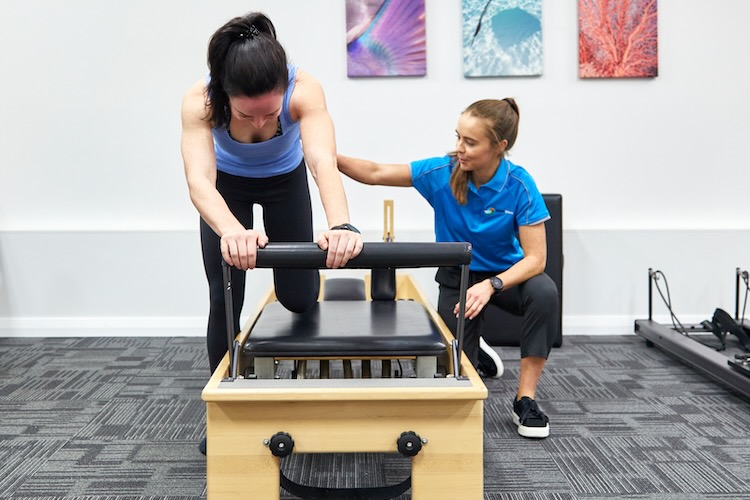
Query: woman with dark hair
x=480, y=197
x=247, y=132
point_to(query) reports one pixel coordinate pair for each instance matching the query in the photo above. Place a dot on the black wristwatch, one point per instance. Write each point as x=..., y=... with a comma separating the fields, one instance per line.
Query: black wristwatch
x=496, y=283
x=345, y=227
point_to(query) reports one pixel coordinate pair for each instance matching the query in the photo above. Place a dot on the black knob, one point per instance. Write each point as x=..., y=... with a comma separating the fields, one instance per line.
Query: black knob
x=409, y=444
x=281, y=444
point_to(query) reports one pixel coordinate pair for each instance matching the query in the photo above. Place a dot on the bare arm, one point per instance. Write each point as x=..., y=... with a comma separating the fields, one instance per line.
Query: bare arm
x=533, y=241
x=238, y=245
x=534, y=244
x=376, y=174
x=319, y=146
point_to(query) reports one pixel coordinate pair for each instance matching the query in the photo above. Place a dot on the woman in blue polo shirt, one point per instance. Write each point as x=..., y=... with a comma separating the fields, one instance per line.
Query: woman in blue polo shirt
x=481, y=197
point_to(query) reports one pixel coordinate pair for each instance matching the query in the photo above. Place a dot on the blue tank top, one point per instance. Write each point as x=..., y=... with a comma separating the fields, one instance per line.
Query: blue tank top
x=276, y=156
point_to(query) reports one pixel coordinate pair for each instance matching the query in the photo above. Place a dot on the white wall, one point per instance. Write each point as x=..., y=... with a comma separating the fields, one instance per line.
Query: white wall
x=97, y=232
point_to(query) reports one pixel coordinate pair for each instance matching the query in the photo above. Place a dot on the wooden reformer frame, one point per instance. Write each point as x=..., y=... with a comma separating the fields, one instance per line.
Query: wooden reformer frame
x=435, y=417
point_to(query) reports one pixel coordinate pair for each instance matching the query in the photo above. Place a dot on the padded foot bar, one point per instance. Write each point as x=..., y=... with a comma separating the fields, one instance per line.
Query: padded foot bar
x=374, y=255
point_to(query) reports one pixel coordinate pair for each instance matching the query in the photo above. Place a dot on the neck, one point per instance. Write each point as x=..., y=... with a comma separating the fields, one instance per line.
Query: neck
x=483, y=176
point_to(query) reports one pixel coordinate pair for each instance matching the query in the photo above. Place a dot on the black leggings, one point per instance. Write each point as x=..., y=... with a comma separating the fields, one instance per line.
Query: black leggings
x=287, y=216
x=536, y=300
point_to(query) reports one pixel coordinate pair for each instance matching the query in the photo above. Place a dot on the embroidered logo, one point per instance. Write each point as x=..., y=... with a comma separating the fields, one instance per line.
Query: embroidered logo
x=491, y=210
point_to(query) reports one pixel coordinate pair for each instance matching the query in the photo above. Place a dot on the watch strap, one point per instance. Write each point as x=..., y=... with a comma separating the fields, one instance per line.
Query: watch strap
x=345, y=227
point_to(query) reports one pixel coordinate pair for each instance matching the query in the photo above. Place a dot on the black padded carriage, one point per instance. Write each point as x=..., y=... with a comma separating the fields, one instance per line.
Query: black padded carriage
x=346, y=328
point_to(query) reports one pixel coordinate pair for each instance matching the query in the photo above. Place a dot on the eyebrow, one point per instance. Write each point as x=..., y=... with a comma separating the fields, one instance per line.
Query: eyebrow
x=466, y=136
x=248, y=116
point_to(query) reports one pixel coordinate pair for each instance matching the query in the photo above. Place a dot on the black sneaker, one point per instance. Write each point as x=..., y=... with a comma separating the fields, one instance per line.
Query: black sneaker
x=531, y=421
x=490, y=364
x=202, y=446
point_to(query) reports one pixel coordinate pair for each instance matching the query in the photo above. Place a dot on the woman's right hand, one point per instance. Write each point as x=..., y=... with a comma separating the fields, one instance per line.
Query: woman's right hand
x=240, y=248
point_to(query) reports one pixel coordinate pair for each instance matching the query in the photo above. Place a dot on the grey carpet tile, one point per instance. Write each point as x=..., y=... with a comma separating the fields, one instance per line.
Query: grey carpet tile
x=120, y=418
x=84, y=468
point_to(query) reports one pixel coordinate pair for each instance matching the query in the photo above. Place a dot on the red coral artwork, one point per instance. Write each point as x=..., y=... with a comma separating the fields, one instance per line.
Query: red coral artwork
x=617, y=39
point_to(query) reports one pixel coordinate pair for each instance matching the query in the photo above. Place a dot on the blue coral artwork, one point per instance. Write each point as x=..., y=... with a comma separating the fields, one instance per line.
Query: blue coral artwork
x=385, y=38
x=502, y=37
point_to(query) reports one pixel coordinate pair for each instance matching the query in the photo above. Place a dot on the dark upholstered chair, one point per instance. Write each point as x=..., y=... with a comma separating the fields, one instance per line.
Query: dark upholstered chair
x=503, y=329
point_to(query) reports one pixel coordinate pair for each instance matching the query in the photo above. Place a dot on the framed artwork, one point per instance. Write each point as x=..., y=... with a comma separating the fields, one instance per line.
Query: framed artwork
x=502, y=37
x=617, y=39
x=385, y=38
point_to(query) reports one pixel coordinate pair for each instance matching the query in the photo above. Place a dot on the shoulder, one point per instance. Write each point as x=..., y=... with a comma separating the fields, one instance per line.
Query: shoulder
x=306, y=86
x=307, y=95
x=194, y=106
x=520, y=174
x=433, y=165
x=516, y=169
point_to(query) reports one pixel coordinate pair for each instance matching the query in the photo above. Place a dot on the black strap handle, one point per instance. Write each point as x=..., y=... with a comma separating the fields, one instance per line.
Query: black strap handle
x=316, y=493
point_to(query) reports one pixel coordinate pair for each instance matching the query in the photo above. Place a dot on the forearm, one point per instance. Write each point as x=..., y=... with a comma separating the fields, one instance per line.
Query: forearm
x=212, y=207
x=360, y=170
x=332, y=194
x=376, y=174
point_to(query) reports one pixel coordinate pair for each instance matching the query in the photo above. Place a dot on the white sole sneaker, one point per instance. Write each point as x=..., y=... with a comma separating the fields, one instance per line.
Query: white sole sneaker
x=529, y=432
x=488, y=351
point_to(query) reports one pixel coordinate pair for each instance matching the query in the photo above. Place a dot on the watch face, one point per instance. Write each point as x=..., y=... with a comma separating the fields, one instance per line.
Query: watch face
x=496, y=282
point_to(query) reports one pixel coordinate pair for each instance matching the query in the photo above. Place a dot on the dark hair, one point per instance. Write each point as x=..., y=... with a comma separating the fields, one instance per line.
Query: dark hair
x=501, y=118
x=244, y=59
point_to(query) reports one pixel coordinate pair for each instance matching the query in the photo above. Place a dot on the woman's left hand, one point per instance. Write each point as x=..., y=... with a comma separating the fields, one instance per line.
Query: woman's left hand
x=477, y=296
x=341, y=244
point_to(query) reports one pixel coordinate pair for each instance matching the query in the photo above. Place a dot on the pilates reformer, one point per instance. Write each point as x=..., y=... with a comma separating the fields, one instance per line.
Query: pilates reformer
x=257, y=415
x=730, y=367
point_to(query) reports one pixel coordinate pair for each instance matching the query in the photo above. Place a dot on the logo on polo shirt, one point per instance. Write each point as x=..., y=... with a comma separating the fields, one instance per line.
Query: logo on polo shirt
x=491, y=210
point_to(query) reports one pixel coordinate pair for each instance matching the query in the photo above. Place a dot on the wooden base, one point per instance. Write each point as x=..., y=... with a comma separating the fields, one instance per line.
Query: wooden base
x=346, y=416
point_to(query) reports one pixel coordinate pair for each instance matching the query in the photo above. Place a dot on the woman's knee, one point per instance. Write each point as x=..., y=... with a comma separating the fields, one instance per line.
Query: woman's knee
x=541, y=291
x=297, y=293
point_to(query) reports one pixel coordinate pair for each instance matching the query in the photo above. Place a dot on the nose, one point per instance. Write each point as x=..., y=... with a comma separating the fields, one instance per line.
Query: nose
x=259, y=122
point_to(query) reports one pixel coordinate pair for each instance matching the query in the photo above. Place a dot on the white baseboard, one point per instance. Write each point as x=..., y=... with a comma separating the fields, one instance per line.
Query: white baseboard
x=615, y=325
x=104, y=327
x=195, y=326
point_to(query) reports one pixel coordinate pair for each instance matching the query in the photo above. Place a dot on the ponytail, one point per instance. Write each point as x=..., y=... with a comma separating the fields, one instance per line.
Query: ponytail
x=459, y=183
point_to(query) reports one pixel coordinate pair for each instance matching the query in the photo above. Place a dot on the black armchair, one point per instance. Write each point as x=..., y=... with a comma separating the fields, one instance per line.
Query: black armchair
x=503, y=328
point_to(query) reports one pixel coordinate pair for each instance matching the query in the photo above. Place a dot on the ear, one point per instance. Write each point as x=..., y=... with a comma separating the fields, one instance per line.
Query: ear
x=501, y=146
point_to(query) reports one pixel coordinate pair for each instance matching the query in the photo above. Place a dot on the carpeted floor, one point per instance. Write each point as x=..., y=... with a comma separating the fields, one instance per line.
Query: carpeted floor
x=100, y=418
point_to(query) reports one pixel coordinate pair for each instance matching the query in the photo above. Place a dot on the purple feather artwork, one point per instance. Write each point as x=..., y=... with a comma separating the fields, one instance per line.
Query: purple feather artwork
x=385, y=38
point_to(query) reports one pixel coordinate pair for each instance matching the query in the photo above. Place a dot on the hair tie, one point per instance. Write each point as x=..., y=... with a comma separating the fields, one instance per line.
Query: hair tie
x=250, y=33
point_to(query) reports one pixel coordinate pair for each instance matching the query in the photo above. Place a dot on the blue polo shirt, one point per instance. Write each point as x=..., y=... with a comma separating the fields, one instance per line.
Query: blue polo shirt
x=492, y=214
